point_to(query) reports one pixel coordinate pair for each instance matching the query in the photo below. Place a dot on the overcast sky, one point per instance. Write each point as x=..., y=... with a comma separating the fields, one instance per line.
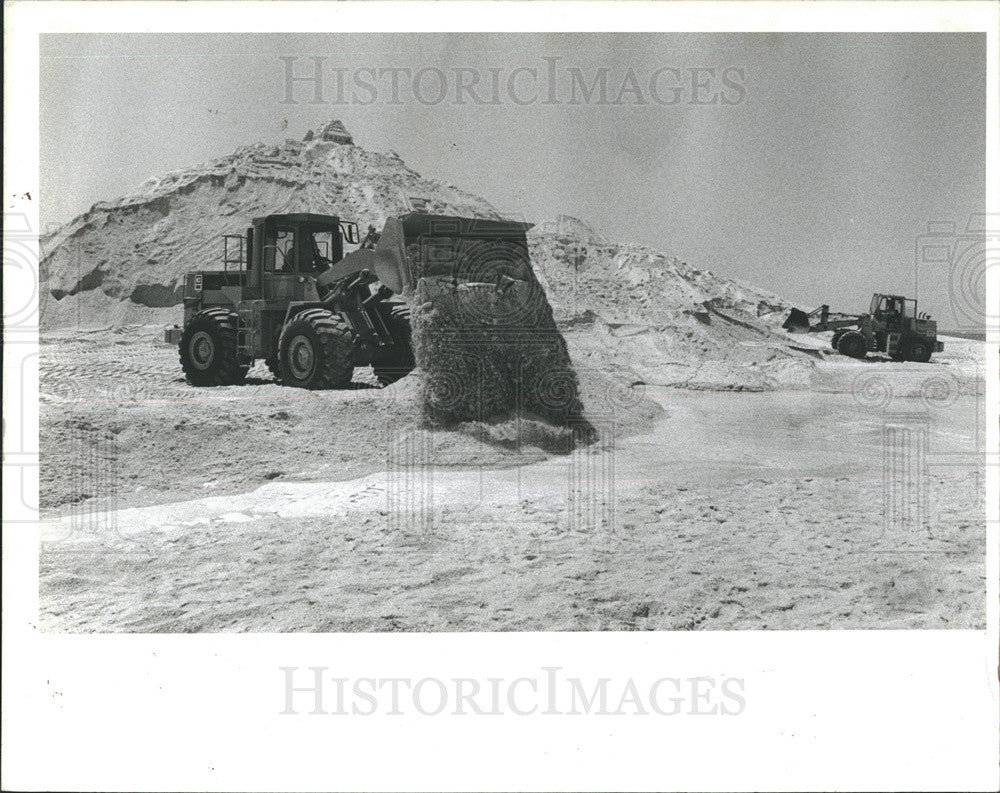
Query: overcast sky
x=806, y=164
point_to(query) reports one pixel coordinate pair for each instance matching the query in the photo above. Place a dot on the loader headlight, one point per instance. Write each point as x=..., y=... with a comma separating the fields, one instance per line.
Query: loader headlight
x=172, y=334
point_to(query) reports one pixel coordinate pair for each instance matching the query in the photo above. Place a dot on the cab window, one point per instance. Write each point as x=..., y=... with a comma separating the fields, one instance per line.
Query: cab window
x=323, y=241
x=277, y=250
x=284, y=249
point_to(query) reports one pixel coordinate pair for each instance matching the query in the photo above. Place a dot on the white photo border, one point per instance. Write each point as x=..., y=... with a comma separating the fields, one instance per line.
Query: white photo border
x=845, y=710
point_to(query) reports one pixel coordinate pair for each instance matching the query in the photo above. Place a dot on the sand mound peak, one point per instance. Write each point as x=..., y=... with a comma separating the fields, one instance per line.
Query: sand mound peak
x=138, y=247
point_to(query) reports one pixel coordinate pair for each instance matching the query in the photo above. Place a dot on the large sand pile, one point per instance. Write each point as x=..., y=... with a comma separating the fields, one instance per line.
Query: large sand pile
x=338, y=510
x=646, y=316
x=623, y=309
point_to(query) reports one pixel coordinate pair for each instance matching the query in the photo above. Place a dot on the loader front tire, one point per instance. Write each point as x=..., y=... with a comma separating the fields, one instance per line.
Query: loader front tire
x=852, y=344
x=316, y=351
x=399, y=361
x=209, y=356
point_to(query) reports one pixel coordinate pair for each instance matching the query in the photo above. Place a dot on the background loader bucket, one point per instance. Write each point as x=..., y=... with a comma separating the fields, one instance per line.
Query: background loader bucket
x=797, y=320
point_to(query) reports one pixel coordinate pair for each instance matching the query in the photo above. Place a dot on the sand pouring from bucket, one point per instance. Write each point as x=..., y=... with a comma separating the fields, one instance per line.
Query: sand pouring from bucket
x=484, y=335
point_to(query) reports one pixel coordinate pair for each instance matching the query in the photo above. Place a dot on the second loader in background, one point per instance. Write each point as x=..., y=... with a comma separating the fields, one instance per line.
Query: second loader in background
x=892, y=326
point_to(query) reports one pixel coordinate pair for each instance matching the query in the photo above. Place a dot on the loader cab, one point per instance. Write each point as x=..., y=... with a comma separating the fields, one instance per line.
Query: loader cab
x=892, y=311
x=286, y=249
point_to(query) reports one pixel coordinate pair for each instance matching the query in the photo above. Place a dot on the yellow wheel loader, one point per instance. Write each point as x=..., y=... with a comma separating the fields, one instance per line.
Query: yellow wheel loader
x=288, y=294
x=892, y=326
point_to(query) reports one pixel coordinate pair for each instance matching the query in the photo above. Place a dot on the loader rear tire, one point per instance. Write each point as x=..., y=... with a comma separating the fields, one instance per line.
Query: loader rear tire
x=852, y=344
x=918, y=351
x=209, y=356
x=836, y=338
x=316, y=351
x=400, y=360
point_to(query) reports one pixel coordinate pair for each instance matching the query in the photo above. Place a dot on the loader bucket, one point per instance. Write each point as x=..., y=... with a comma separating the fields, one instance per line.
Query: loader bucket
x=797, y=321
x=464, y=250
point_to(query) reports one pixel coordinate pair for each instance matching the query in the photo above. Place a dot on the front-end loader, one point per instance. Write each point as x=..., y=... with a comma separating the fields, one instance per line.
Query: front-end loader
x=892, y=326
x=288, y=294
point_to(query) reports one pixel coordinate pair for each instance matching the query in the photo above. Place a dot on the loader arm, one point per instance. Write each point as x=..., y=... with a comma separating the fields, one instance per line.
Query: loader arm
x=819, y=320
x=834, y=324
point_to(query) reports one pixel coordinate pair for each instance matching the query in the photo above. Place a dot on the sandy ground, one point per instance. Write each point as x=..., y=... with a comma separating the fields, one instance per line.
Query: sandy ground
x=856, y=502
